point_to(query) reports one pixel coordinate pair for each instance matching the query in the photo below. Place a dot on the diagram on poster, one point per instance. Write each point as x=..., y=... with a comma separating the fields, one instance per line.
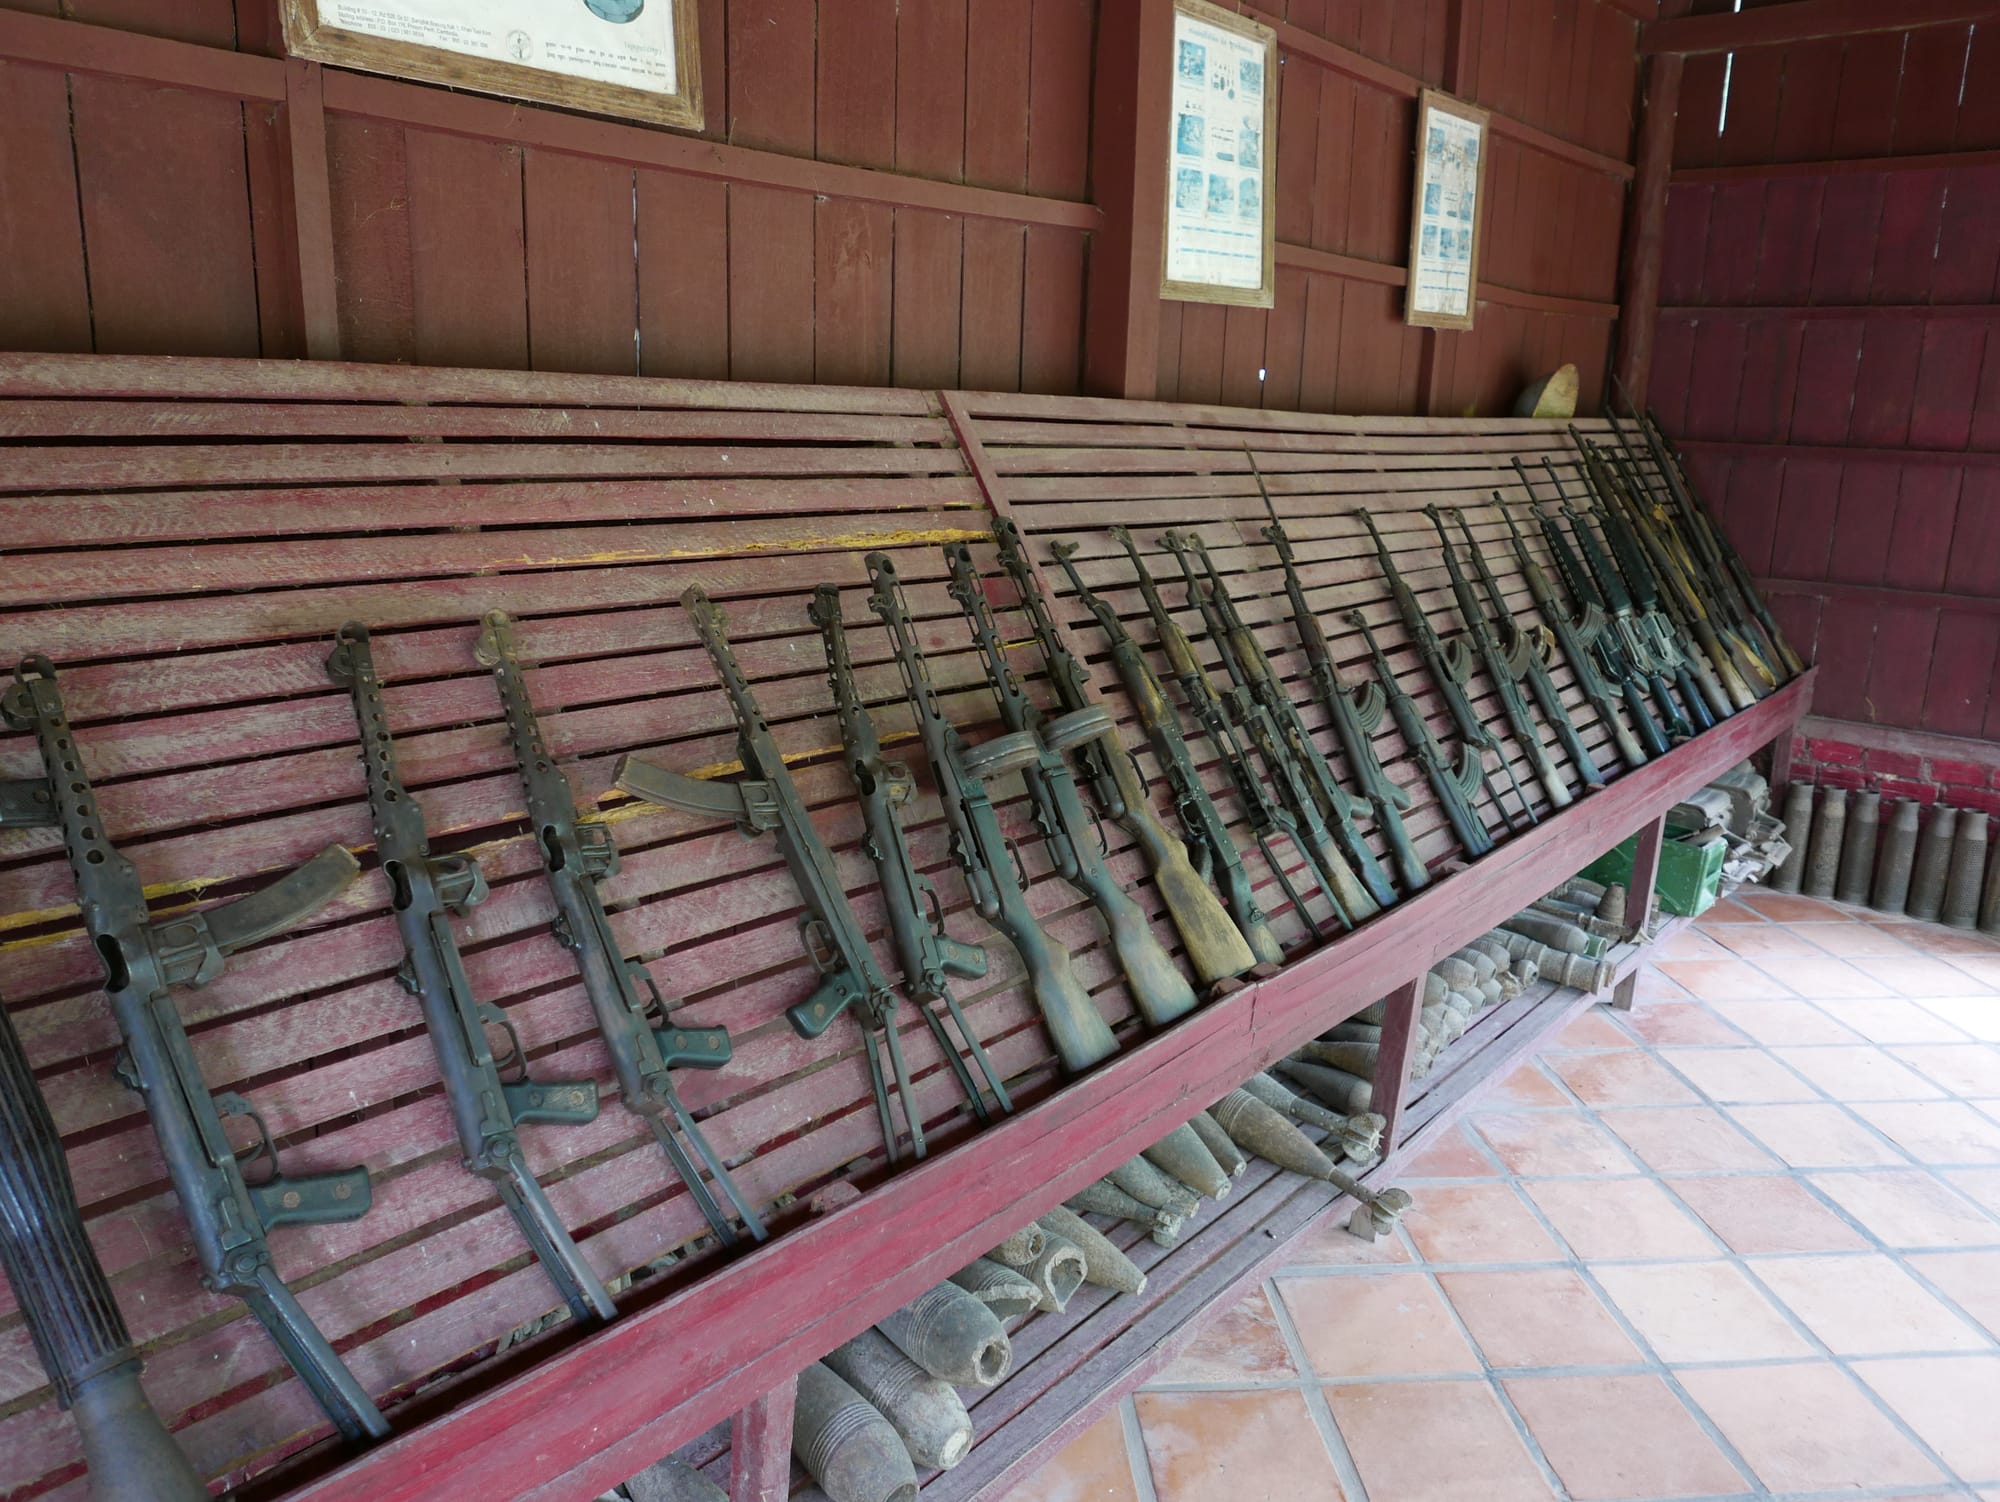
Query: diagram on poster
x=1443, y=259
x=624, y=42
x=1218, y=224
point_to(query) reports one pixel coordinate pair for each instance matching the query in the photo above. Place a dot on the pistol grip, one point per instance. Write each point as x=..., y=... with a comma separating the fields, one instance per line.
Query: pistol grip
x=966, y=961
x=311, y=1199
x=693, y=1047
x=554, y=1102
x=814, y=1015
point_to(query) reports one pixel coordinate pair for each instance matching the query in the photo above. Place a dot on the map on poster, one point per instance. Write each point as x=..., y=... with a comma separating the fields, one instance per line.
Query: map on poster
x=1448, y=212
x=1216, y=170
x=625, y=42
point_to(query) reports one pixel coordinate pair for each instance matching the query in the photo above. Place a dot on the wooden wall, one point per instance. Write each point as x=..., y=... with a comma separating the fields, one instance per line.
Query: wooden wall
x=1828, y=348
x=888, y=192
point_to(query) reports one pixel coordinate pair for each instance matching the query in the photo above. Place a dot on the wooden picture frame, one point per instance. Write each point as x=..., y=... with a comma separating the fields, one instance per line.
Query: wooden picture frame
x=309, y=33
x=1208, y=120
x=1443, y=288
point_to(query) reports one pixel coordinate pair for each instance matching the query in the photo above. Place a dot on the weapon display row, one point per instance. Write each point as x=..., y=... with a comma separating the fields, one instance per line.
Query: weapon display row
x=1659, y=615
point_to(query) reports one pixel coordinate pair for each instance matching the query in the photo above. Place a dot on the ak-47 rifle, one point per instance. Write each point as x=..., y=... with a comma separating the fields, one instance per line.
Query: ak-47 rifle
x=1450, y=667
x=144, y=959
x=1507, y=665
x=1215, y=947
x=576, y=856
x=983, y=852
x=1304, y=764
x=1159, y=990
x=1214, y=853
x=426, y=891
x=930, y=957
x=1355, y=714
x=768, y=802
x=1268, y=819
x=1452, y=782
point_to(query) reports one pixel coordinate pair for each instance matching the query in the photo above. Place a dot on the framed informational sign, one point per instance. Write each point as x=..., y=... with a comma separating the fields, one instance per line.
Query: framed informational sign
x=636, y=58
x=1445, y=213
x=1221, y=222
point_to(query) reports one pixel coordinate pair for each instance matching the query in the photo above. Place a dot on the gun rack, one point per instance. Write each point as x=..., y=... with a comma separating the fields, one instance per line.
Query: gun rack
x=186, y=535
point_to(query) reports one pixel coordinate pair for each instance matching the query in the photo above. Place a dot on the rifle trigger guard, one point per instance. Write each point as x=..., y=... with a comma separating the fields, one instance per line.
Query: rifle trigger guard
x=1138, y=771
x=596, y=850
x=229, y=1103
x=1020, y=866
x=818, y=945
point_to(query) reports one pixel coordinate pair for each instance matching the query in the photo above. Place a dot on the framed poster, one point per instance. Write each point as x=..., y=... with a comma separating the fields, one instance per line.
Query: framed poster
x=1223, y=131
x=636, y=58
x=1446, y=208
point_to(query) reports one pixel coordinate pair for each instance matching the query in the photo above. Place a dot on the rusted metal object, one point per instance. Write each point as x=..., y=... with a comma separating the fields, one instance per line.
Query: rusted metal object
x=1933, y=867
x=1264, y=1132
x=1057, y=1274
x=1140, y=1179
x=1021, y=1248
x=1897, y=858
x=1355, y=1058
x=845, y=1443
x=1218, y=1144
x=1798, y=834
x=999, y=1287
x=1857, y=848
x=1102, y=1197
x=1989, y=906
x=1181, y=1154
x=1103, y=1263
x=1968, y=869
x=951, y=1335
x=1829, y=832
x=1611, y=906
x=1335, y=1088
x=673, y=1480
x=1289, y=1104
x=926, y=1414
x=1556, y=933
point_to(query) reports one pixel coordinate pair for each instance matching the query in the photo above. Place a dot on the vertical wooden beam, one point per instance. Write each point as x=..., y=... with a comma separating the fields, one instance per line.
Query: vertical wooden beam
x=312, y=208
x=1457, y=70
x=1392, y=1061
x=1781, y=763
x=1128, y=169
x=760, y=1447
x=1639, y=313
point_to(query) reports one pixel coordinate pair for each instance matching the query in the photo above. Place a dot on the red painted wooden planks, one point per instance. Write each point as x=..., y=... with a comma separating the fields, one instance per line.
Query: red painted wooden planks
x=41, y=235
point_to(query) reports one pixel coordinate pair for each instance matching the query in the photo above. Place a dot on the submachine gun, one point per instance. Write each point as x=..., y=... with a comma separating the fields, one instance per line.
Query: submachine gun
x=144, y=959
x=1159, y=990
x=768, y=802
x=1215, y=947
x=576, y=856
x=426, y=892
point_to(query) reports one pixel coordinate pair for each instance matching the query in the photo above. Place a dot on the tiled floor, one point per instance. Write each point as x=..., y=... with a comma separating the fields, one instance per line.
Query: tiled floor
x=1742, y=1241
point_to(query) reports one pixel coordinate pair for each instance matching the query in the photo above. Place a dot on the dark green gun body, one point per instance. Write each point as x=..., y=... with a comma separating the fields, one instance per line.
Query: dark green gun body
x=1451, y=782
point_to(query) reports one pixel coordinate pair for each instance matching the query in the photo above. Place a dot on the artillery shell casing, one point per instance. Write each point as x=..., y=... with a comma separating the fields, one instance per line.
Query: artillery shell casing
x=847, y=1446
x=1140, y=1179
x=1218, y=1144
x=1018, y=1250
x=1355, y=1058
x=1260, y=1130
x=1351, y=1032
x=1482, y=964
x=1057, y=1274
x=1456, y=973
x=1898, y=856
x=1103, y=1263
x=1495, y=951
x=1435, y=989
x=1553, y=932
x=1798, y=834
x=926, y=1413
x=1933, y=867
x=1590, y=923
x=1828, y=836
x=673, y=1480
x=998, y=1286
x=1181, y=1154
x=1335, y=1088
x=1102, y=1197
x=1611, y=906
x=1968, y=869
x=1490, y=992
x=1989, y=905
x=1857, y=848
x=1290, y=1105
x=1584, y=887
x=1376, y=1012
x=951, y=1335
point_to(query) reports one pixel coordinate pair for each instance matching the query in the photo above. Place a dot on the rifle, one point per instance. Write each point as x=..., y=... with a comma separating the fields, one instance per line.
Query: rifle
x=1214, y=852
x=144, y=959
x=1215, y=946
x=427, y=892
x=929, y=956
x=1160, y=991
x=1355, y=714
x=983, y=853
x=1452, y=782
x=1450, y=668
x=576, y=857
x=1363, y=887
x=1508, y=667
x=768, y=802
x=1267, y=818
x=1578, y=636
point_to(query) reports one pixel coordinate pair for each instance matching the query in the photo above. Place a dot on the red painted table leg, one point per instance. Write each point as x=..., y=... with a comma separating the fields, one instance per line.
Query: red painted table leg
x=1639, y=899
x=1781, y=763
x=760, y=1447
x=1392, y=1062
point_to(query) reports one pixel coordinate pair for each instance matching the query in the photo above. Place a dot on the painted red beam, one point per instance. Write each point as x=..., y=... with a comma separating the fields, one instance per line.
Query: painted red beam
x=1388, y=274
x=1839, y=453
x=1882, y=594
x=619, y=1398
x=1934, y=161
x=1805, y=21
x=1645, y=245
x=1884, y=312
x=77, y=47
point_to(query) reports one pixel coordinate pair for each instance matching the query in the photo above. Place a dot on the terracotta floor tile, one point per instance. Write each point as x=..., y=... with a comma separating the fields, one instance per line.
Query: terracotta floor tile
x=1909, y=1209
x=1242, y=1342
x=1785, y=1022
x=1981, y=967
x=1737, y=1076
x=1765, y=941
x=1093, y=1467
x=1326, y=1243
x=1856, y=1073
x=1527, y=1088
x=1699, y=1311
x=1455, y=1155
x=1950, y=1402
x=1551, y=1142
x=1951, y=943
x=1824, y=978
x=1649, y=985
x=1629, y=1077
x=1534, y=1316
x=1920, y=975
x=1477, y=1223
x=1975, y=1016
x=1821, y=1136
x=1234, y=1447
x=1971, y=1069
x=1687, y=1139
x=1611, y=1438
x=1757, y=1213
x=1615, y=1219
x=1724, y=980
x=1970, y=1280
x=1591, y=1029
x=1788, y=907
x=1693, y=944
x=1891, y=1019
x=1374, y=1324
x=1682, y=1024
x=1728, y=911
x=1807, y=1428
x=1434, y=1442
x=1848, y=940
x=1983, y=1184
x=1936, y=1131
x=1865, y=1305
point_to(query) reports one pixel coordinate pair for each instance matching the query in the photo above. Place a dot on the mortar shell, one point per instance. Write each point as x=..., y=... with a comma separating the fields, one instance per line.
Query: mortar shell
x=1583, y=886
x=1021, y=1248
x=1933, y=867
x=1455, y=973
x=1590, y=923
x=1578, y=973
x=1611, y=906
x=1334, y=1088
x=1435, y=988
x=1527, y=972
x=1000, y=1288
x=1351, y=1032
x=1798, y=835
x=1057, y=1274
x=1376, y=1012
x=1102, y=1197
x=1260, y=1130
x=1103, y=1263
x=926, y=1414
x=1829, y=832
x=1181, y=1155
x=1989, y=905
x=951, y=1335
x=1218, y=1144
x=673, y=1480
x=849, y=1448
x=1291, y=1105
x=1857, y=848
x=1490, y=993
x=1896, y=860
x=1145, y=1183
x=1356, y=1058
x=1968, y=869
x=1482, y=964
x=1168, y=1234
x=1550, y=931
x=1503, y=962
